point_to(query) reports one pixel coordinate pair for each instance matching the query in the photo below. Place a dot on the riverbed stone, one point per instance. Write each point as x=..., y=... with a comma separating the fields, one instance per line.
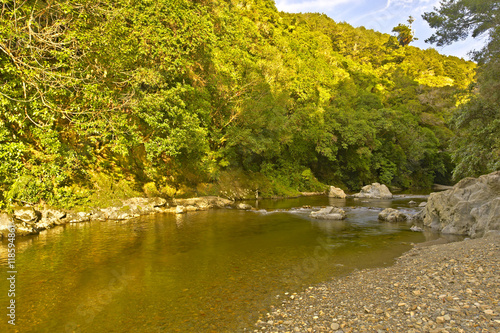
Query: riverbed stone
x=329, y=213
x=336, y=192
x=374, y=191
x=392, y=215
x=434, y=288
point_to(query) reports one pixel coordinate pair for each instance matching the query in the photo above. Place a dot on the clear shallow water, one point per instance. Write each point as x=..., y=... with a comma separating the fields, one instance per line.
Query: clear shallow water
x=210, y=271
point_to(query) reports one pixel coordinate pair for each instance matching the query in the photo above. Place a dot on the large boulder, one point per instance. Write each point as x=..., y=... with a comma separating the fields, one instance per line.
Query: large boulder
x=329, y=213
x=471, y=207
x=374, y=191
x=336, y=192
x=392, y=215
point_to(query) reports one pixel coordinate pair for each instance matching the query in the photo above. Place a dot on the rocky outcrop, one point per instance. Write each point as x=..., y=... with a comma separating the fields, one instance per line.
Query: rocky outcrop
x=374, y=191
x=471, y=207
x=392, y=215
x=329, y=213
x=336, y=192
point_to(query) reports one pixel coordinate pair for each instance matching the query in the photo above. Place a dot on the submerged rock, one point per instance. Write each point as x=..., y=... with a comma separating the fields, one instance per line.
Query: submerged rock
x=329, y=213
x=374, y=191
x=243, y=206
x=471, y=207
x=416, y=229
x=336, y=192
x=392, y=215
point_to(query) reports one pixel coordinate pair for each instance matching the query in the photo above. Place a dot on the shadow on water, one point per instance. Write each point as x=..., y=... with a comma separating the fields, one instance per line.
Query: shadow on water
x=211, y=271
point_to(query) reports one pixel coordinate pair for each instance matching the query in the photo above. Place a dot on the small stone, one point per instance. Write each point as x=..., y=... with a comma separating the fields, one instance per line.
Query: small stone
x=335, y=326
x=440, y=320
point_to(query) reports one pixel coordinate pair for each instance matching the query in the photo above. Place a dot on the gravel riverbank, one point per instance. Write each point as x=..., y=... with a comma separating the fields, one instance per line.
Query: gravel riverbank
x=451, y=287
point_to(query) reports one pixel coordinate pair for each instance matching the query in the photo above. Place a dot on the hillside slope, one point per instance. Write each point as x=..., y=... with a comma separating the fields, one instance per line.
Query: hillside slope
x=110, y=99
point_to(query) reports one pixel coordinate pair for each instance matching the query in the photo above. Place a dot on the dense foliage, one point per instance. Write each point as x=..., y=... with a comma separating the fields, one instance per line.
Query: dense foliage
x=476, y=147
x=194, y=97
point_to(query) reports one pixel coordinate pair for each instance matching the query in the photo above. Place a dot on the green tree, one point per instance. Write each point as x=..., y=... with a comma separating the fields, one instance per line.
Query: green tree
x=405, y=32
x=477, y=145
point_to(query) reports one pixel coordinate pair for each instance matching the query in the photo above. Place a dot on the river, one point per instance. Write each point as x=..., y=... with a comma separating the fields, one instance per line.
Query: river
x=207, y=271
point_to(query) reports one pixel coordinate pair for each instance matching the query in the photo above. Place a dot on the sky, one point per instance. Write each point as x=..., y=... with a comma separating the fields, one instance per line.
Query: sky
x=382, y=15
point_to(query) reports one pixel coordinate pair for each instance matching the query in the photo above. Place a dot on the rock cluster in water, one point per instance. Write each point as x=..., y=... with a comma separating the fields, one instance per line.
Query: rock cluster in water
x=392, y=215
x=329, y=213
x=29, y=221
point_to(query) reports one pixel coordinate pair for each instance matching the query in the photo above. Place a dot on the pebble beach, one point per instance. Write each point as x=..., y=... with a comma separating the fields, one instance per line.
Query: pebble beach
x=453, y=287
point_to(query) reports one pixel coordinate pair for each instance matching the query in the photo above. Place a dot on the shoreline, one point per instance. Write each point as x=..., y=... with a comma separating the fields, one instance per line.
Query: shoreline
x=31, y=219
x=452, y=287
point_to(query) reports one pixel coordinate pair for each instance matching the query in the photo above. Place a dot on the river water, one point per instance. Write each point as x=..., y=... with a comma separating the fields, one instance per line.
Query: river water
x=210, y=271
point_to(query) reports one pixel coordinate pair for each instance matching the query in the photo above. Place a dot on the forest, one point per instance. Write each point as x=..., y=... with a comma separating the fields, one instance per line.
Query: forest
x=111, y=99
